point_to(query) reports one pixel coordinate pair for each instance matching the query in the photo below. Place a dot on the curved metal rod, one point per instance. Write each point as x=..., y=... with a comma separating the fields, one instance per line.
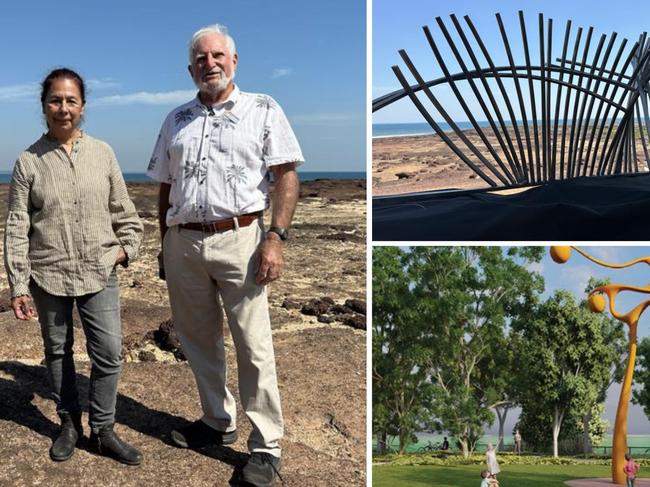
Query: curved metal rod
x=393, y=96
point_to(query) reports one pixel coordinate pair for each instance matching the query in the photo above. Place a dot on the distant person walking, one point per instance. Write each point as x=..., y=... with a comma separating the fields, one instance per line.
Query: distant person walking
x=491, y=461
x=631, y=468
x=517, y=442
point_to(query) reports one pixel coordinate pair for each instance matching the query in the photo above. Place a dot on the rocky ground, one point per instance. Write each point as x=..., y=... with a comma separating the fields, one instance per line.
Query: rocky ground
x=425, y=162
x=318, y=314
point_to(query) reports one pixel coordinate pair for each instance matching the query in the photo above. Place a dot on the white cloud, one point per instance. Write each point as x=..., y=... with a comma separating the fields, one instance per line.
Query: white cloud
x=23, y=92
x=536, y=267
x=102, y=84
x=31, y=91
x=611, y=255
x=280, y=72
x=147, y=98
x=575, y=278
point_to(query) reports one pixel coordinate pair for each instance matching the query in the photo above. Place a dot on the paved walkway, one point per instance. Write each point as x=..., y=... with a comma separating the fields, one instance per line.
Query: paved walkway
x=602, y=482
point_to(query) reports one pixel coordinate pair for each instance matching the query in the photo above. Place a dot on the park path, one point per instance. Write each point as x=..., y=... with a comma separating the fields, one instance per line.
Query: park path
x=602, y=482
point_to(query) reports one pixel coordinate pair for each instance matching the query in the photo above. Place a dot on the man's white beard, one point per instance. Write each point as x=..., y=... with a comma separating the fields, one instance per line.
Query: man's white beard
x=214, y=88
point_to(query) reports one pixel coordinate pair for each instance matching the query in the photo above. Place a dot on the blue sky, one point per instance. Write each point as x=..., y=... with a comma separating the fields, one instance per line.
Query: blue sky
x=574, y=275
x=309, y=56
x=398, y=25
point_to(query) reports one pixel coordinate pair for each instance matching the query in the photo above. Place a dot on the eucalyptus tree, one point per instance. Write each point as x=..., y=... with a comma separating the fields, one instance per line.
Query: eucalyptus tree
x=567, y=359
x=464, y=298
x=400, y=383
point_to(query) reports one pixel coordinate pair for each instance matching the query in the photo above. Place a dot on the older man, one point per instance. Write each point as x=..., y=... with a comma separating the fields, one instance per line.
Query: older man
x=213, y=158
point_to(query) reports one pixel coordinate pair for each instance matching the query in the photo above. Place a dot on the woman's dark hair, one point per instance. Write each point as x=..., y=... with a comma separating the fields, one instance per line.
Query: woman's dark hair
x=62, y=73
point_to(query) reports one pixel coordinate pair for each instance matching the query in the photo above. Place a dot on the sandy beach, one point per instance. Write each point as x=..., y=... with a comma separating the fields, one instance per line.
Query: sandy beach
x=318, y=315
x=405, y=164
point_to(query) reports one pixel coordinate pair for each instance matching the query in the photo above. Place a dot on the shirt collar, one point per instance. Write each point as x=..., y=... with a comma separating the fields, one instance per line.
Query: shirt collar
x=227, y=104
x=54, y=141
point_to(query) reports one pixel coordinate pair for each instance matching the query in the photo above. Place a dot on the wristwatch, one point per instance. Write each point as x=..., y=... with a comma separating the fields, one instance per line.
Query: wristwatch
x=283, y=233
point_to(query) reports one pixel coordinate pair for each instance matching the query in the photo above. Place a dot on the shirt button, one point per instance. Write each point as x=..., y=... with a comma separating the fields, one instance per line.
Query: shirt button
x=206, y=136
x=203, y=159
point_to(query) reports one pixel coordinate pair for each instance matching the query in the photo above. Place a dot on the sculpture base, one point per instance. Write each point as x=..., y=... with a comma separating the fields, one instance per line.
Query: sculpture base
x=603, y=482
x=585, y=208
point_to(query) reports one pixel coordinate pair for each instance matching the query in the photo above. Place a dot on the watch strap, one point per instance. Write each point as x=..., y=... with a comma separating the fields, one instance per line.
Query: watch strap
x=283, y=233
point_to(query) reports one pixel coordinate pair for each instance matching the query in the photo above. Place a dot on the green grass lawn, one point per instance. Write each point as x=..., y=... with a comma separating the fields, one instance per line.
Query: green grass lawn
x=470, y=475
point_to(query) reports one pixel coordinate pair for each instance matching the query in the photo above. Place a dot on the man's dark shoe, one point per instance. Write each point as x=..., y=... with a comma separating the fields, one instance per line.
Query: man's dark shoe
x=199, y=434
x=70, y=433
x=107, y=443
x=261, y=470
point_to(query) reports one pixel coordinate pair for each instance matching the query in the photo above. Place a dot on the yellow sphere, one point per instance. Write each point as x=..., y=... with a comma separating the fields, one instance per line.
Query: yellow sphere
x=596, y=303
x=560, y=254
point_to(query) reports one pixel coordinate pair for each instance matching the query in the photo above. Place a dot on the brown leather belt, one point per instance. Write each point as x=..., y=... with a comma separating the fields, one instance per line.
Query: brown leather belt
x=223, y=225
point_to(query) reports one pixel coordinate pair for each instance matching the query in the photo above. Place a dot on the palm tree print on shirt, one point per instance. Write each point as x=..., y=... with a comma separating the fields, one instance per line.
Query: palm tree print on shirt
x=265, y=102
x=194, y=170
x=183, y=116
x=152, y=163
x=235, y=174
x=223, y=120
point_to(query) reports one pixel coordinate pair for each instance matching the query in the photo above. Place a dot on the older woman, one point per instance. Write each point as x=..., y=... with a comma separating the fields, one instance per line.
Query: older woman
x=70, y=223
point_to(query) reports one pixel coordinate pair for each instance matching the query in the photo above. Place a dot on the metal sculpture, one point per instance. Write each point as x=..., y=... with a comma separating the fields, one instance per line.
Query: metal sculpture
x=596, y=303
x=578, y=116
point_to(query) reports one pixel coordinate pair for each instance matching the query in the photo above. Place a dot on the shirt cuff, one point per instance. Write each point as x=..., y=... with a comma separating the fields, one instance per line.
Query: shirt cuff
x=130, y=252
x=20, y=289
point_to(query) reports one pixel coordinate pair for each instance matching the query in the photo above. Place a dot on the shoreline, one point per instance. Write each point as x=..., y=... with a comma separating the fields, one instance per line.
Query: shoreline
x=404, y=135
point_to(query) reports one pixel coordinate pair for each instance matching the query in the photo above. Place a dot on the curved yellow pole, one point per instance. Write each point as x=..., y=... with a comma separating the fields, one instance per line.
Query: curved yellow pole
x=619, y=447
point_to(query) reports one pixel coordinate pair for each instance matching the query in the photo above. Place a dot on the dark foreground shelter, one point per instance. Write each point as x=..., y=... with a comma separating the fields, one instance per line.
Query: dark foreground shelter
x=571, y=132
x=597, y=208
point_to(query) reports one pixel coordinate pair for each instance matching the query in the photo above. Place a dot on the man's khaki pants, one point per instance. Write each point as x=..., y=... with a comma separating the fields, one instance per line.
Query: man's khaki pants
x=199, y=268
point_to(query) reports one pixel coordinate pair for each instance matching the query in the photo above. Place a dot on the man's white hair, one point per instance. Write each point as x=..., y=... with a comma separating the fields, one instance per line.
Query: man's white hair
x=211, y=29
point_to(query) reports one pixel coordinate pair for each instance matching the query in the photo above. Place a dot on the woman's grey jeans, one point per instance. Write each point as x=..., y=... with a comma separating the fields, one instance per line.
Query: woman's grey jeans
x=100, y=318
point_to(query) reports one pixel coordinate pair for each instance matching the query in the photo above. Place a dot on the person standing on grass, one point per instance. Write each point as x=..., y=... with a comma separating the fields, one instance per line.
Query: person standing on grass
x=214, y=159
x=491, y=461
x=517, y=442
x=631, y=468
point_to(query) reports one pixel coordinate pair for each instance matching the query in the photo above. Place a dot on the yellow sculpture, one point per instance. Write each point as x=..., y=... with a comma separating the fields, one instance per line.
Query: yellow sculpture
x=596, y=303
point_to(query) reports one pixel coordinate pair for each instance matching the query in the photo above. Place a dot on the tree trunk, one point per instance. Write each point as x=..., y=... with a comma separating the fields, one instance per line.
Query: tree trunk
x=381, y=443
x=586, y=440
x=403, y=437
x=501, y=415
x=557, y=423
x=464, y=444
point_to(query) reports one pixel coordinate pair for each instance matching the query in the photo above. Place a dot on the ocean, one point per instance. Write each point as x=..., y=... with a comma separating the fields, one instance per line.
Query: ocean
x=402, y=129
x=140, y=177
x=393, y=129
